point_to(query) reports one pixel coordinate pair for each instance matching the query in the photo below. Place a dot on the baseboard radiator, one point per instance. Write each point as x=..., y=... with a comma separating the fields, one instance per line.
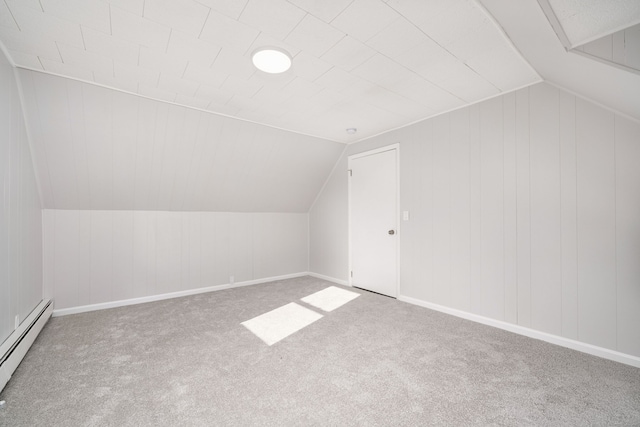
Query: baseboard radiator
x=18, y=343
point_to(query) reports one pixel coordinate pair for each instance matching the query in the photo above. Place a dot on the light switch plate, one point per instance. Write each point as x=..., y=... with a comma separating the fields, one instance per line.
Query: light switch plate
x=405, y=215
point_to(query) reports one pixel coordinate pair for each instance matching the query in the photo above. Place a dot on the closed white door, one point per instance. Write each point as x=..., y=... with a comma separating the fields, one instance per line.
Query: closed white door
x=373, y=207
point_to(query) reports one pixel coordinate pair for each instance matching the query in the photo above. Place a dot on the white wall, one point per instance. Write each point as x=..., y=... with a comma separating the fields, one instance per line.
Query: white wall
x=20, y=214
x=621, y=47
x=94, y=257
x=524, y=209
x=101, y=149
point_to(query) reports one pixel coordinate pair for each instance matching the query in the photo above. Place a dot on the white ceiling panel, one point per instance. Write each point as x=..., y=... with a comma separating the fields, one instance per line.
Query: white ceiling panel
x=326, y=10
x=230, y=61
x=32, y=44
x=364, y=19
x=81, y=58
x=353, y=60
x=156, y=60
x=88, y=13
x=308, y=66
x=37, y=23
x=583, y=21
x=274, y=17
x=110, y=47
x=187, y=16
x=397, y=38
x=204, y=75
x=177, y=85
x=224, y=31
x=6, y=19
x=135, y=73
x=314, y=36
x=230, y=8
x=240, y=87
x=348, y=53
x=378, y=67
x=213, y=94
x=131, y=27
x=133, y=6
x=271, y=82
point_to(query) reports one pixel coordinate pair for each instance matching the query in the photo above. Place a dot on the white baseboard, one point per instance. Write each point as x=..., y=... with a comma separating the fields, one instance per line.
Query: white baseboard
x=151, y=298
x=329, y=279
x=531, y=333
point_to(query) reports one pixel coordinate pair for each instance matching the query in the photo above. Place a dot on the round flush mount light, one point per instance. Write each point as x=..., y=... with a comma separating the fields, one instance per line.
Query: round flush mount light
x=351, y=131
x=271, y=60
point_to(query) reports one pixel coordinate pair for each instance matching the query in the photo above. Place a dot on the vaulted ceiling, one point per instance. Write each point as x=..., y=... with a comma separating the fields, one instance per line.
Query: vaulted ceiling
x=368, y=64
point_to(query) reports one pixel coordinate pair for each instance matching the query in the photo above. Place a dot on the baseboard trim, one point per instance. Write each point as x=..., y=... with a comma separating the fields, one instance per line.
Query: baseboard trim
x=160, y=297
x=329, y=279
x=594, y=350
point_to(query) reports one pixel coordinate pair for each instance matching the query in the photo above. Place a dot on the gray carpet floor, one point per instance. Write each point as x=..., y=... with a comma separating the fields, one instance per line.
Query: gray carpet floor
x=373, y=361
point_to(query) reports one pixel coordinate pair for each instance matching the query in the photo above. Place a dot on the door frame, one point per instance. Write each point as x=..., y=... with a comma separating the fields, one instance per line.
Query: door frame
x=367, y=153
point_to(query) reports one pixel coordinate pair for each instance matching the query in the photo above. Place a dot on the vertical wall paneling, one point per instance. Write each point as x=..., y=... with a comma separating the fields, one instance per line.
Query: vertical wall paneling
x=193, y=229
x=78, y=137
x=523, y=207
x=125, y=122
x=492, y=209
x=170, y=157
x=98, y=118
x=475, y=205
x=101, y=149
x=7, y=305
x=123, y=254
x=145, y=133
x=442, y=210
x=168, y=228
x=48, y=270
x=84, y=265
x=240, y=247
x=101, y=250
x=425, y=216
x=409, y=191
x=21, y=244
x=160, y=138
x=510, y=227
x=67, y=257
x=628, y=235
x=546, y=248
x=57, y=142
x=106, y=256
x=140, y=254
x=184, y=158
x=460, y=210
x=597, y=297
x=185, y=249
x=538, y=193
x=569, y=237
x=39, y=154
x=220, y=260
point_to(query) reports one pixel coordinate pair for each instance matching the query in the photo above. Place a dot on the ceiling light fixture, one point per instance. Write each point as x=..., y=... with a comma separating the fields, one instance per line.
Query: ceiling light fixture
x=351, y=131
x=271, y=60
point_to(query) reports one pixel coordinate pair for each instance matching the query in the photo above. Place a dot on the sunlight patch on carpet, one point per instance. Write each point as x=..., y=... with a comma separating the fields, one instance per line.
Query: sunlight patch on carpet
x=330, y=298
x=278, y=324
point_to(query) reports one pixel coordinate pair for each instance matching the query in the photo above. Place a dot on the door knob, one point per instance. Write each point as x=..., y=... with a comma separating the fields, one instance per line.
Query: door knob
x=392, y=232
